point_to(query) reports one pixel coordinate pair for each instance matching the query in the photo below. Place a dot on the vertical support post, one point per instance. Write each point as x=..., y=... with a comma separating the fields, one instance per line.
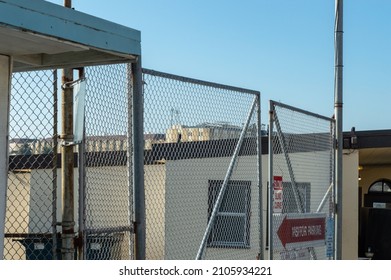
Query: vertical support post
x=81, y=249
x=5, y=89
x=338, y=117
x=67, y=165
x=129, y=159
x=54, y=164
x=260, y=188
x=270, y=185
x=138, y=159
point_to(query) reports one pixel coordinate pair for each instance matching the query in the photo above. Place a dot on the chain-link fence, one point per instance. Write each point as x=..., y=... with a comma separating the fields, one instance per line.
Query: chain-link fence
x=202, y=168
x=301, y=164
x=200, y=139
x=103, y=169
x=32, y=177
x=106, y=185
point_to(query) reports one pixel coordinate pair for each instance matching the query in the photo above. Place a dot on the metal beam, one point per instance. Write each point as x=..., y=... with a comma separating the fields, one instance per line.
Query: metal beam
x=55, y=23
x=138, y=159
x=67, y=165
x=5, y=88
x=66, y=59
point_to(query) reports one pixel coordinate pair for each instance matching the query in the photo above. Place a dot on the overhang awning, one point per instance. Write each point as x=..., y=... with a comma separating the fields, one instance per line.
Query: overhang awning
x=42, y=35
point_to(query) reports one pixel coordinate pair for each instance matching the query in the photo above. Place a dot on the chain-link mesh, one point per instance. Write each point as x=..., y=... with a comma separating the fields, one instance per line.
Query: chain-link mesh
x=107, y=195
x=192, y=128
x=302, y=184
x=32, y=178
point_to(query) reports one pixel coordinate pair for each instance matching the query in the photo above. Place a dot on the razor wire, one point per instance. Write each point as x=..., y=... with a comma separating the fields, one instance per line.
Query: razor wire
x=301, y=181
x=191, y=130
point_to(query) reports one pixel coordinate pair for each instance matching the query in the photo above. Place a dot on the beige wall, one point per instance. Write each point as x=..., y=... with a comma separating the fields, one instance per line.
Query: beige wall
x=155, y=178
x=176, y=203
x=17, y=213
x=107, y=200
x=40, y=199
x=186, y=190
x=350, y=206
x=187, y=206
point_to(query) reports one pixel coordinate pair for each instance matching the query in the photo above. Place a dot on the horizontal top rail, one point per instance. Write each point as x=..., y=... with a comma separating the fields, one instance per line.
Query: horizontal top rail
x=198, y=82
x=274, y=103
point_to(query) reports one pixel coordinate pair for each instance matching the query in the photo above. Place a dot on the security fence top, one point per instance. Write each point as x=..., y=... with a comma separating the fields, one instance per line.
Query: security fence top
x=275, y=103
x=199, y=82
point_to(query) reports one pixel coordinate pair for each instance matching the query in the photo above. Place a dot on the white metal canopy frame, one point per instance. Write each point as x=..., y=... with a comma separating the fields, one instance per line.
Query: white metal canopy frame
x=37, y=35
x=41, y=35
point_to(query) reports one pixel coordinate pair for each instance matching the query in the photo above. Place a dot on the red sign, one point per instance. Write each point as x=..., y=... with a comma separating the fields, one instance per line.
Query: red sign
x=302, y=230
x=277, y=194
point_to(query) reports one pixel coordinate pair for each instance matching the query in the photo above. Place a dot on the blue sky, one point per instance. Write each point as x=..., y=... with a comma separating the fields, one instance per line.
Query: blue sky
x=283, y=48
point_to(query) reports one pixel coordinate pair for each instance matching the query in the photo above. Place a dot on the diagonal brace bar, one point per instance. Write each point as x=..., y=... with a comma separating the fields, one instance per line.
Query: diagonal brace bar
x=225, y=183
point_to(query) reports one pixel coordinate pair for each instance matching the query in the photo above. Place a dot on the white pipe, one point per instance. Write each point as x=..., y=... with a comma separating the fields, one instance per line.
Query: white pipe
x=5, y=88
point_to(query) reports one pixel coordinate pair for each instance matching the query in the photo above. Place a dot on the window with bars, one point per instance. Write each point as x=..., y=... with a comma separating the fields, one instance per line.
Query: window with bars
x=232, y=224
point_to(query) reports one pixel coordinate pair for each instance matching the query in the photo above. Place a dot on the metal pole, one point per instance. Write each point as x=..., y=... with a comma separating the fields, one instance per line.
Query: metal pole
x=270, y=186
x=67, y=163
x=138, y=159
x=82, y=192
x=54, y=164
x=220, y=196
x=260, y=189
x=338, y=117
x=5, y=89
x=129, y=161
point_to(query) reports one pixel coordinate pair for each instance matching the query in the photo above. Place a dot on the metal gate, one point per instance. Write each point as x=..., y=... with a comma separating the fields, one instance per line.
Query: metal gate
x=202, y=169
x=103, y=168
x=301, y=180
x=106, y=202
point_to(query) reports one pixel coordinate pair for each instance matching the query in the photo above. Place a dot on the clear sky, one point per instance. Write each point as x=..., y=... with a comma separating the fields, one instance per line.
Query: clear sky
x=282, y=48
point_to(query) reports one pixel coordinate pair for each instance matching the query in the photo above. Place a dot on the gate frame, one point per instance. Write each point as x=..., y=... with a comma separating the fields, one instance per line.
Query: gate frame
x=272, y=120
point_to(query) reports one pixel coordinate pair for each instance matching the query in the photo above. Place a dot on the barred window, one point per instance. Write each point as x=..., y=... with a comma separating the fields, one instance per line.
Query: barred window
x=232, y=224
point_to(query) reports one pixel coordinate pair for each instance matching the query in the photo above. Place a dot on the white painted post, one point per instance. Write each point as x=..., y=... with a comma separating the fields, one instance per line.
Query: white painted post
x=5, y=87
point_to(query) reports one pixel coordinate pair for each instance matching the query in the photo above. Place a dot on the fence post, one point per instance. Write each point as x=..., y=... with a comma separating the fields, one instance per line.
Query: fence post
x=338, y=118
x=270, y=185
x=138, y=159
x=54, y=164
x=67, y=163
x=260, y=188
x=5, y=88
